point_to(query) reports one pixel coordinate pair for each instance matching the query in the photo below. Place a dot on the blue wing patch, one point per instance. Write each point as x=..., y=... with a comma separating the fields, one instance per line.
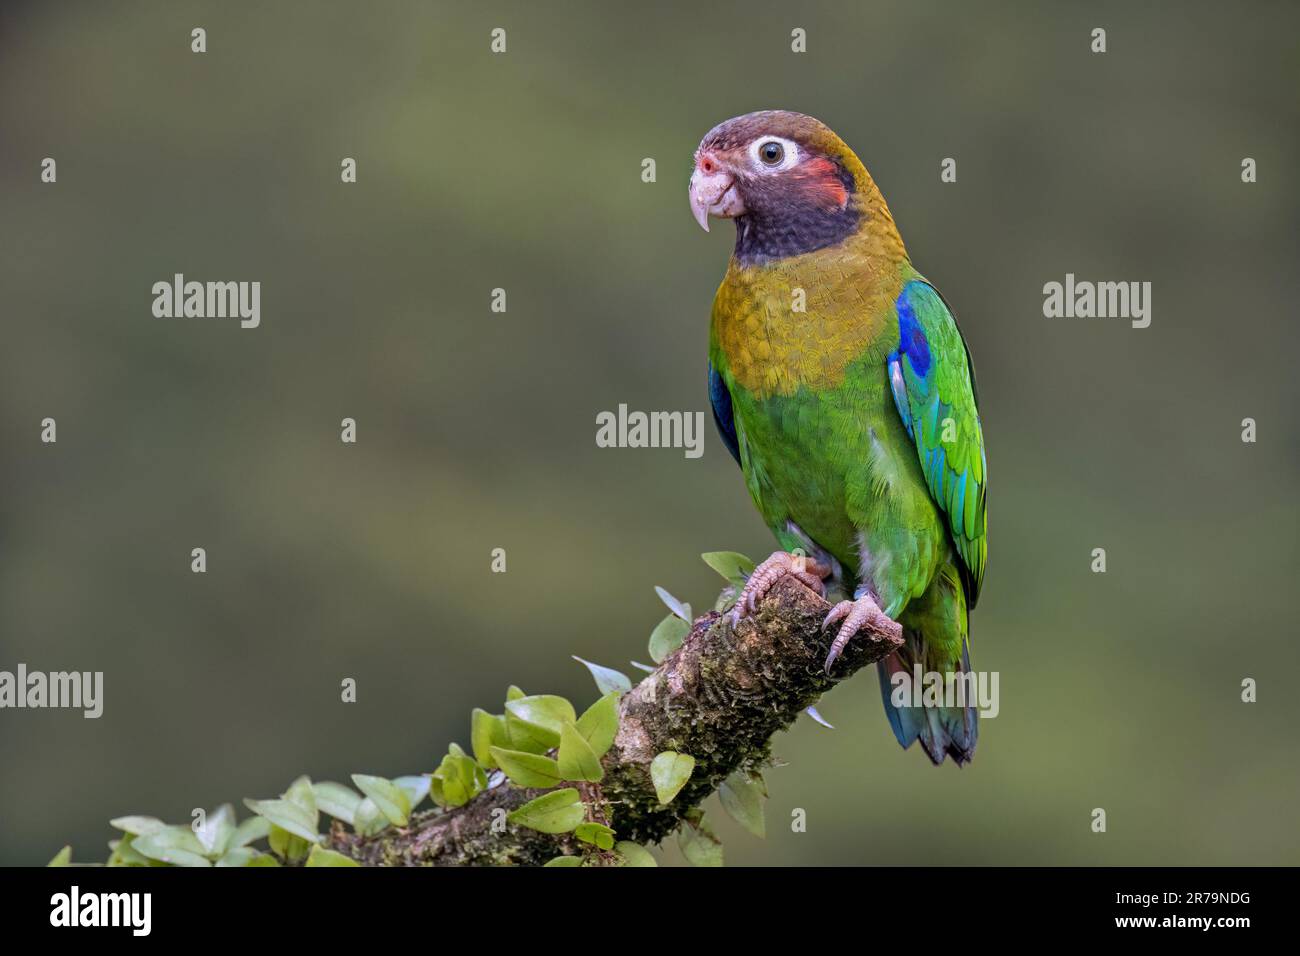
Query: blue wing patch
x=720, y=399
x=913, y=344
x=932, y=382
x=911, y=337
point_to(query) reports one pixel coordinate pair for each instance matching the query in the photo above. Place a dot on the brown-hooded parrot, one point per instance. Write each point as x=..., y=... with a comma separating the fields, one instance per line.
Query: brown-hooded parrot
x=841, y=384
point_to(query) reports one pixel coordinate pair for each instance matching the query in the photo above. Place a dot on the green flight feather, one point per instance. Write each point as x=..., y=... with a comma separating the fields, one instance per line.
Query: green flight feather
x=933, y=385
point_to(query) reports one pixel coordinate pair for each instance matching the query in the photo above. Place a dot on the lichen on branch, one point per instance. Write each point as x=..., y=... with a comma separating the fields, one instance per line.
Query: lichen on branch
x=719, y=698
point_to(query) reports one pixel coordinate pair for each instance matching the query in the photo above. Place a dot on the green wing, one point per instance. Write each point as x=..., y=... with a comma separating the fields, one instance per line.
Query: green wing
x=933, y=383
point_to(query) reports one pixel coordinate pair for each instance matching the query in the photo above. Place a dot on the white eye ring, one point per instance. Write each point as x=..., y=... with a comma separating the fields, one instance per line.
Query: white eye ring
x=789, y=159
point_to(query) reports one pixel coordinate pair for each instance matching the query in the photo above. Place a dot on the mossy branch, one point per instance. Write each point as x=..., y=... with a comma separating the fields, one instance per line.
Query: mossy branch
x=720, y=697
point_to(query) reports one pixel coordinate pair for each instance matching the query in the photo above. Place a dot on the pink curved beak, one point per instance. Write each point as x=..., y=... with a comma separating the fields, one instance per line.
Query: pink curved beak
x=713, y=191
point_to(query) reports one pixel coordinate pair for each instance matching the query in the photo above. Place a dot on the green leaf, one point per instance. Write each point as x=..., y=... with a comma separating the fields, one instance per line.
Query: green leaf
x=416, y=785
x=527, y=770
x=292, y=848
x=742, y=798
x=182, y=858
x=599, y=724
x=124, y=854
x=678, y=608
x=176, y=845
x=369, y=818
x=556, y=812
x=62, y=858
x=564, y=861
x=254, y=828
x=392, y=800
x=338, y=801
x=669, y=772
x=597, y=834
x=301, y=793
x=732, y=565
x=726, y=599
x=320, y=856
x=667, y=637
x=544, y=715
x=288, y=816
x=264, y=859
x=513, y=693
x=238, y=856
x=576, y=759
x=457, y=779
x=442, y=795
x=524, y=736
x=608, y=680
x=218, y=827
x=472, y=775
x=699, y=844
x=634, y=854
x=137, y=826
x=487, y=731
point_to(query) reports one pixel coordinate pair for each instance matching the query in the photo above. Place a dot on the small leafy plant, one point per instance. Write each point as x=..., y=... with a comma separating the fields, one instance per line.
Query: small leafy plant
x=536, y=742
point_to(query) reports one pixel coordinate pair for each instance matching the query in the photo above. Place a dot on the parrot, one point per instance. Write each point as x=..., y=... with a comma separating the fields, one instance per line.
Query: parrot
x=842, y=386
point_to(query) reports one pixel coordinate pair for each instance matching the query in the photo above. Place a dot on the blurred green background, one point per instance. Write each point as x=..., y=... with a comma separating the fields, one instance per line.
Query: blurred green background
x=477, y=430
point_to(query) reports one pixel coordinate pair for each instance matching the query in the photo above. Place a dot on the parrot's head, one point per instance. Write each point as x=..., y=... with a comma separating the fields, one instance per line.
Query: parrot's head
x=791, y=185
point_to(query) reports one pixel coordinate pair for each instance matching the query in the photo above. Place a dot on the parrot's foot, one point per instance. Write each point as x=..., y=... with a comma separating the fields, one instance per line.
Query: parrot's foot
x=855, y=614
x=807, y=570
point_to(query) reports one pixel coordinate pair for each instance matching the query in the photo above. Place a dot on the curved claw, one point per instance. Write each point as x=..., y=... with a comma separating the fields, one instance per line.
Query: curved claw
x=762, y=579
x=854, y=614
x=836, y=613
x=837, y=647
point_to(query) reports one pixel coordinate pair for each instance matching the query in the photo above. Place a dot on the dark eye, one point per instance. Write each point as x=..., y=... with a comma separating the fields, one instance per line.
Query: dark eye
x=771, y=153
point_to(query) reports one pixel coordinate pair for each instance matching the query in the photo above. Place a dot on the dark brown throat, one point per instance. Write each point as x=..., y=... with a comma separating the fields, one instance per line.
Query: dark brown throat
x=797, y=217
x=762, y=237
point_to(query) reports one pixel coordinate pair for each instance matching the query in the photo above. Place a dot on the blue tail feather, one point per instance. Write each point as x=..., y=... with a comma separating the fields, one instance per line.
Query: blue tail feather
x=943, y=731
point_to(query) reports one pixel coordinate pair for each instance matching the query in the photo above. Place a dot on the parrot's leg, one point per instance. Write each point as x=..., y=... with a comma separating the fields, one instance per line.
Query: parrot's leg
x=802, y=568
x=862, y=610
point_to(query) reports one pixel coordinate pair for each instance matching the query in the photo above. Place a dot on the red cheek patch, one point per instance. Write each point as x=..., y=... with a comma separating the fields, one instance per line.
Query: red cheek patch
x=819, y=180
